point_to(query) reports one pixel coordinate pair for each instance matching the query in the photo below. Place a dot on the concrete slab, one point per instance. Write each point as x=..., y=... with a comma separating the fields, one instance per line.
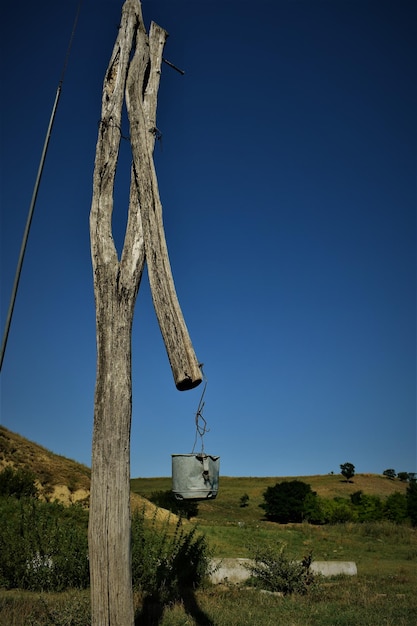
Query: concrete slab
x=334, y=568
x=234, y=570
x=229, y=570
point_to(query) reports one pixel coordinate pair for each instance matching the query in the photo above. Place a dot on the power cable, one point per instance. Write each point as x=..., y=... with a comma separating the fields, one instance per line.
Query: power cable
x=35, y=191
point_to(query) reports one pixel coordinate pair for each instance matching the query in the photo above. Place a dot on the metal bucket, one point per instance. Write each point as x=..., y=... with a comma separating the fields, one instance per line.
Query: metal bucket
x=195, y=476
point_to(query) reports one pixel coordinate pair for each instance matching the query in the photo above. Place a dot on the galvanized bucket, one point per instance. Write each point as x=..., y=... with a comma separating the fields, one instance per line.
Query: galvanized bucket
x=195, y=476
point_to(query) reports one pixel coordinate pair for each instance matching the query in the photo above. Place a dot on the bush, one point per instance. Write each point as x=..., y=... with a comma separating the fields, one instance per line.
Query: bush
x=285, y=502
x=43, y=545
x=244, y=501
x=167, y=561
x=395, y=508
x=368, y=508
x=338, y=511
x=412, y=502
x=17, y=483
x=274, y=571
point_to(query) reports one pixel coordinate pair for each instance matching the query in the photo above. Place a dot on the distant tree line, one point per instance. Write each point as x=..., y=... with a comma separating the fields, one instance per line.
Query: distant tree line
x=295, y=501
x=404, y=477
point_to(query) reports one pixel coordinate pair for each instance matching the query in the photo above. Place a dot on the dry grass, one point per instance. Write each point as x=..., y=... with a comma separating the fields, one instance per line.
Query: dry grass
x=372, y=484
x=50, y=469
x=59, y=478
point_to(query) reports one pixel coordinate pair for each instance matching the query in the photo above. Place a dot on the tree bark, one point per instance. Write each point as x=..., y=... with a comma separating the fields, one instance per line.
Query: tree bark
x=115, y=288
x=116, y=284
x=184, y=364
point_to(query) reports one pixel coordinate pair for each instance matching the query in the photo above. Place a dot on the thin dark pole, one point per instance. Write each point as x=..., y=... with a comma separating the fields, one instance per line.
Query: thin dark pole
x=35, y=194
x=27, y=228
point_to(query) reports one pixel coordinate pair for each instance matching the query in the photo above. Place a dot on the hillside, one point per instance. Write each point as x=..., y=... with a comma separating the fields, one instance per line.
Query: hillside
x=58, y=478
x=68, y=481
x=231, y=489
x=327, y=485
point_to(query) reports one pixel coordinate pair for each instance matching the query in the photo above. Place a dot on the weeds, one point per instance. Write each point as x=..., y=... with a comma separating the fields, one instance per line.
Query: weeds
x=385, y=530
x=43, y=545
x=274, y=571
x=73, y=611
x=165, y=562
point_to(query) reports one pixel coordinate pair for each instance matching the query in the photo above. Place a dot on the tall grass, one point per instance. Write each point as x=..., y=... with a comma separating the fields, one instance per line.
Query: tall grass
x=383, y=593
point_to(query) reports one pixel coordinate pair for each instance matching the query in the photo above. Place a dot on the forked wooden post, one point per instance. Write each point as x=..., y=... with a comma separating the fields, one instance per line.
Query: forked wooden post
x=116, y=284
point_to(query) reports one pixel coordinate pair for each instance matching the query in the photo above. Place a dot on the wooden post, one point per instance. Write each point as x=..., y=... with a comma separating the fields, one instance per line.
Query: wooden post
x=116, y=284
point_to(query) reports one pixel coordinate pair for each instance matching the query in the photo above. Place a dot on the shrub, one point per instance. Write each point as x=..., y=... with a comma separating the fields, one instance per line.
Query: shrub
x=412, y=502
x=244, y=501
x=395, y=508
x=43, y=545
x=367, y=508
x=18, y=483
x=167, y=561
x=274, y=571
x=338, y=511
x=285, y=502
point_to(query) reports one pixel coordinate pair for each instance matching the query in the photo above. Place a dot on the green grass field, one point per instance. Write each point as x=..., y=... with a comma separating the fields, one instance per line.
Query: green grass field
x=385, y=554
x=230, y=527
x=382, y=594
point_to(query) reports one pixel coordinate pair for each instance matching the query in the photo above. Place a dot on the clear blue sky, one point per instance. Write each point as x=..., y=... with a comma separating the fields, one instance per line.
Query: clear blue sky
x=287, y=172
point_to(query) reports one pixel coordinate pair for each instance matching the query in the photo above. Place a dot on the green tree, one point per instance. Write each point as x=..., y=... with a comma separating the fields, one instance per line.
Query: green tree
x=347, y=470
x=285, y=502
x=411, y=496
x=389, y=473
x=403, y=476
x=395, y=507
x=313, y=509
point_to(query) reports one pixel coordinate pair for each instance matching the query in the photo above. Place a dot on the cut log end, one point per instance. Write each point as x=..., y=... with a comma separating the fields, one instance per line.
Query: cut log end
x=184, y=384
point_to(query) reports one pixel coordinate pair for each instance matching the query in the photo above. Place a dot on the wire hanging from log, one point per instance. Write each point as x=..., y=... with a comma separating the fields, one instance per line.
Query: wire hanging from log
x=200, y=422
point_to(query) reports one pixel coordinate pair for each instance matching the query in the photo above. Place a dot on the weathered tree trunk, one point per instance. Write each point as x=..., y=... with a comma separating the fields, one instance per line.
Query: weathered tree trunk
x=185, y=367
x=116, y=284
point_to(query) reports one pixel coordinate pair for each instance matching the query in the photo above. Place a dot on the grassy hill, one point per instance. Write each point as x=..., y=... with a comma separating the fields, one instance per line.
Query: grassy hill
x=231, y=529
x=231, y=489
x=57, y=477
x=67, y=480
x=53, y=470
